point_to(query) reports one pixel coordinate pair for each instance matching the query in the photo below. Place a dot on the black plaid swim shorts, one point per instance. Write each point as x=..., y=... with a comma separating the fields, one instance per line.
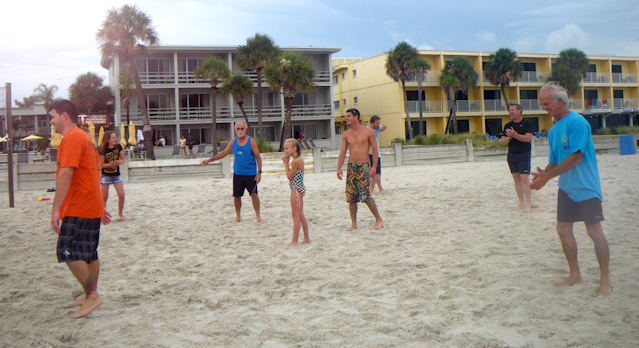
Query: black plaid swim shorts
x=78, y=239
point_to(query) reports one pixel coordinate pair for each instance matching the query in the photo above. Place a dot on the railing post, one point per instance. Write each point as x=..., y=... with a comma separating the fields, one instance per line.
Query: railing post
x=469, y=150
x=317, y=160
x=533, y=147
x=397, y=148
x=226, y=166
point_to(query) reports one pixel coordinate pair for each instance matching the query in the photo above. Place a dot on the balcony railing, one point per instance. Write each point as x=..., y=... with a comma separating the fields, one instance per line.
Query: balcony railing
x=593, y=103
x=494, y=105
x=151, y=78
x=574, y=104
x=625, y=103
x=624, y=78
x=311, y=110
x=467, y=105
x=428, y=106
x=534, y=77
x=592, y=77
x=203, y=113
x=530, y=104
x=431, y=76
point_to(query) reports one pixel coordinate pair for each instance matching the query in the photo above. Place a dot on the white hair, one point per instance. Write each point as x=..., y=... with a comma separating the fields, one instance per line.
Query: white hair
x=556, y=92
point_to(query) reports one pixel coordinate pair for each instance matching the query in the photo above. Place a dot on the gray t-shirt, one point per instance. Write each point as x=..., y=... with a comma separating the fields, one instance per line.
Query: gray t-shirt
x=377, y=131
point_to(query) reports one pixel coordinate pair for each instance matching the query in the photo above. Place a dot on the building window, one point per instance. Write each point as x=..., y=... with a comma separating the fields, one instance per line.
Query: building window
x=310, y=131
x=529, y=66
x=338, y=129
x=158, y=101
x=269, y=132
x=335, y=79
x=592, y=68
x=354, y=73
x=336, y=104
x=355, y=100
x=343, y=76
x=194, y=101
x=528, y=94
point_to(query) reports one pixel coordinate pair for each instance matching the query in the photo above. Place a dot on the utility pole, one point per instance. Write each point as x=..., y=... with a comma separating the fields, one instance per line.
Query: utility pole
x=8, y=119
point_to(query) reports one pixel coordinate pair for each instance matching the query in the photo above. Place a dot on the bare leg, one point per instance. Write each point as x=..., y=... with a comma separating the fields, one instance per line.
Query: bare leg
x=519, y=189
x=352, y=207
x=256, y=206
x=237, y=201
x=603, y=256
x=119, y=189
x=295, y=213
x=83, y=272
x=569, y=245
x=105, y=193
x=378, y=219
x=525, y=185
x=377, y=179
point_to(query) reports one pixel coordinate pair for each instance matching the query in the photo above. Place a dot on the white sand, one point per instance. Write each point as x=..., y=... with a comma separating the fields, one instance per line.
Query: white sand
x=454, y=266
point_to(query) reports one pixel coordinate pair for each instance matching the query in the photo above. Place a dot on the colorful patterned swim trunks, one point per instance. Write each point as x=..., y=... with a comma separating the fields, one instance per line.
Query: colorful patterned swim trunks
x=358, y=183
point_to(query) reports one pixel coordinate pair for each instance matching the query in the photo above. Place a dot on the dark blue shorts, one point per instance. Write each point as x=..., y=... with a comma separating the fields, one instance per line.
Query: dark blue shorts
x=588, y=211
x=519, y=162
x=378, y=170
x=78, y=239
x=244, y=182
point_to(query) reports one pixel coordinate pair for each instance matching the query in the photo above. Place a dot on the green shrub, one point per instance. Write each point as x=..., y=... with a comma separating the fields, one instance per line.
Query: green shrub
x=604, y=131
x=434, y=139
x=399, y=140
x=420, y=140
x=544, y=133
x=264, y=146
x=628, y=130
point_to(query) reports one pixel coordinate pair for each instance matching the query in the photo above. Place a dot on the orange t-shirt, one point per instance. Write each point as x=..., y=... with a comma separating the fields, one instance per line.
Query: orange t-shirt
x=84, y=198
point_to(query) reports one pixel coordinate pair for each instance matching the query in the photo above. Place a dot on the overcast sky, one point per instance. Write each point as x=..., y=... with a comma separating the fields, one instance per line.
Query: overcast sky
x=52, y=42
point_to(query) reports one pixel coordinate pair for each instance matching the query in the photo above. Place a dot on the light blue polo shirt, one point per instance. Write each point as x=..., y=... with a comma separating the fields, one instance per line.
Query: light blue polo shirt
x=567, y=136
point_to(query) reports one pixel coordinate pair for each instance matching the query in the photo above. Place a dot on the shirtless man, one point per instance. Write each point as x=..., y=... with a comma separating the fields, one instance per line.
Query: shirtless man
x=358, y=139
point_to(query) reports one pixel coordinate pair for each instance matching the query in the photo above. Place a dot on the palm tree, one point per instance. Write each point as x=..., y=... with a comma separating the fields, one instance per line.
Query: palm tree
x=238, y=86
x=570, y=68
x=398, y=67
x=292, y=73
x=214, y=70
x=503, y=68
x=420, y=67
x=125, y=33
x=26, y=101
x=458, y=76
x=90, y=95
x=127, y=88
x=44, y=94
x=255, y=55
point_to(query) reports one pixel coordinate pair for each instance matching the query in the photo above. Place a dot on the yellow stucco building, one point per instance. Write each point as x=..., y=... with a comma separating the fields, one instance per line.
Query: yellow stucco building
x=608, y=95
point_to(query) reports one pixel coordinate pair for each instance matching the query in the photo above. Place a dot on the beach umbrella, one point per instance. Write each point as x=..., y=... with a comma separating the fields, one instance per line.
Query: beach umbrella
x=122, y=139
x=92, y=132
x=3, y=140
x=31, y=137
x=132, y=140
x=54, y=136
x=101, y=136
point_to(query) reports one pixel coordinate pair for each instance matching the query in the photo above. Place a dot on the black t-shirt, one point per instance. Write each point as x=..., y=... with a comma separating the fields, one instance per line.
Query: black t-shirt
x=523, y=127
x=111, y=155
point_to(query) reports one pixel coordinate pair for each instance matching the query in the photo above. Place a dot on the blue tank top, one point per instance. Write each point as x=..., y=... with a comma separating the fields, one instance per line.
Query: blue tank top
x=244, y=163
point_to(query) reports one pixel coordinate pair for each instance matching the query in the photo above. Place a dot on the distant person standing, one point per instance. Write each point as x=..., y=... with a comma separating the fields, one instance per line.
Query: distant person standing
x=247, y=168
x=358, y=139
x=111, y=158
x=572, y=158
x=79, y=204
x=377, y=178
x=190, y=141
x=182, y=146
x=517, y=135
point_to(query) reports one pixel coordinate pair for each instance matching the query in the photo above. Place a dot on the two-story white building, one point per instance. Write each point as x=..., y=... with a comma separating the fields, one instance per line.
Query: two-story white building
x=179, y=104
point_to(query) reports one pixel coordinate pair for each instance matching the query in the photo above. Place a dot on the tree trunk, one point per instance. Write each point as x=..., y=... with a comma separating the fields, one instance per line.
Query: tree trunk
x=127, y=104
x=503, y=95
x=241, y=105
x=286, y=128
x=421, y=116
x=455, y=116
x=408, y=127
x=213, y=120
x=148, y=143
x=260, y=128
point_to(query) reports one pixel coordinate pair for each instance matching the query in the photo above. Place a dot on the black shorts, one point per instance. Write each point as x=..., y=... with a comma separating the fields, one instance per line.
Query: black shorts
x=378, y=171
x=519, y=162
x=190, y=146
x=78, y=239
x=244, y=182
x=588, y=211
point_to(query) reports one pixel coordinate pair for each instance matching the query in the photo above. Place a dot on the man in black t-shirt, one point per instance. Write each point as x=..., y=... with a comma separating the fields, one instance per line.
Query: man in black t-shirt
x=518, y=134
x=190, y=141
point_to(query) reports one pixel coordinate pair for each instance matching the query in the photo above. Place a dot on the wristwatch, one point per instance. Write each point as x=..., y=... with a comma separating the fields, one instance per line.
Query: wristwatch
x=259, y=171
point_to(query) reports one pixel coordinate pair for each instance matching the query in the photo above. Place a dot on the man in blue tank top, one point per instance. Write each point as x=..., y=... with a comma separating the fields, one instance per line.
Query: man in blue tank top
x=572, y=157
x=247, y=168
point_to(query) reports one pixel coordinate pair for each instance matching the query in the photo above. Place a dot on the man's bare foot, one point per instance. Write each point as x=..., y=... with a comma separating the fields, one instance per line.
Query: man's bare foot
x=290, y=245
x=259, y=219
x=570, y=281
x=378, y=224
x=77, y=303
x=305, y=241
x=352, y=228
x=528, y=209
x=122, y=217
x=237, y=219
x=605, y=290
x=94, y=301
x=521, y=206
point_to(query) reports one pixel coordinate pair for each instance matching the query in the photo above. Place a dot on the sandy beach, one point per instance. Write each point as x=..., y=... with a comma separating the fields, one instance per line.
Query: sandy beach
x=454, y=266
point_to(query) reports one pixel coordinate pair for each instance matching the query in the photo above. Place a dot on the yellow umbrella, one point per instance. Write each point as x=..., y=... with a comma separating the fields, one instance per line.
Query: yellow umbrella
x=31, y=137
x=132, y=140
x=54, y=136
x=3, y=140
x=122, y=139
x=101, y=136
x=92, y=132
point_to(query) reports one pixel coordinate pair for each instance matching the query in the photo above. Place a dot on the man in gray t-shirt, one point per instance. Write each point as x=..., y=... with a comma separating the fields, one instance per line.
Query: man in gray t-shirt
x=377, y=127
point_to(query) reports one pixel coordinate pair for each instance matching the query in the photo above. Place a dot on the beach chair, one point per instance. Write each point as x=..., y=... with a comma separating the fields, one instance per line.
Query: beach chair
x=176, y=150
x=311, y=141
x=302, y=146
x=201, y=150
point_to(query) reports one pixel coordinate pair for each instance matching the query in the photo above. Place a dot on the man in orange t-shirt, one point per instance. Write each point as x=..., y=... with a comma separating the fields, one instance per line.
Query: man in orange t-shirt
x=78, y=202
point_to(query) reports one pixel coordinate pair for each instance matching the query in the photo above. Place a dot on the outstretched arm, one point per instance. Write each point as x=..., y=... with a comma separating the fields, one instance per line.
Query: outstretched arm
x=220, y=155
